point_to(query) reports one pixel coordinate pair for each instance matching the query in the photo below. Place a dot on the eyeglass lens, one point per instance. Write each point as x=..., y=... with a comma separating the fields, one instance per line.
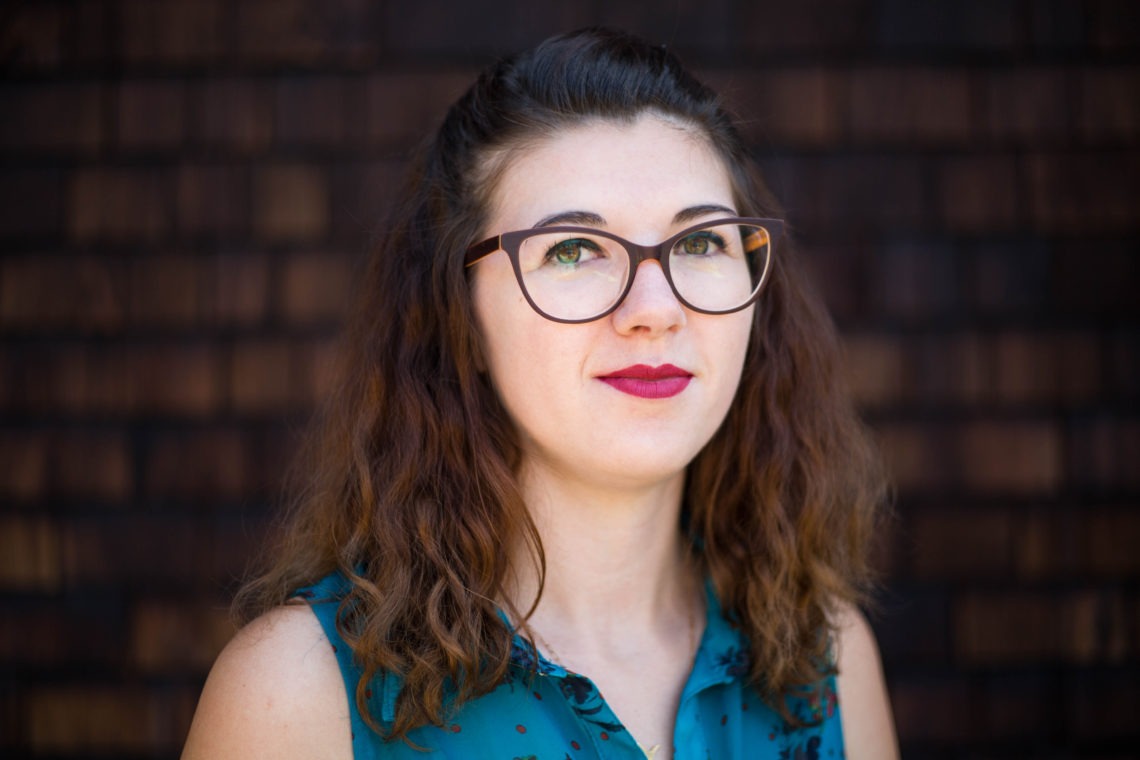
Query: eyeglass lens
x=576, y=276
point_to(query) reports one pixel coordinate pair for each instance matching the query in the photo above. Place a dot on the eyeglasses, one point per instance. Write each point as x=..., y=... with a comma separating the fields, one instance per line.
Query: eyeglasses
x=579, y=274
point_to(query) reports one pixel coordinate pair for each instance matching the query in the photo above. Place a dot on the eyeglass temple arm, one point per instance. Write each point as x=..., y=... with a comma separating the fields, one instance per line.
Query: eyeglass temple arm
x=479, y=250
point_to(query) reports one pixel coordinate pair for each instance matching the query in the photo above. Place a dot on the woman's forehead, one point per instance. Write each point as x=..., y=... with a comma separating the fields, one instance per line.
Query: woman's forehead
x=647, y=166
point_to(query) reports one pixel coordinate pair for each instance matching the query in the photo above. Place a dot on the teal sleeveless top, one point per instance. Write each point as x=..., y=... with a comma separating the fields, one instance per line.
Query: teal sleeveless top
x=544, y=712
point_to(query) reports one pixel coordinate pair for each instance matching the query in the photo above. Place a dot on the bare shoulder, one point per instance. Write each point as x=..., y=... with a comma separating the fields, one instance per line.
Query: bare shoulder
x=868, y=728
x=275, y=691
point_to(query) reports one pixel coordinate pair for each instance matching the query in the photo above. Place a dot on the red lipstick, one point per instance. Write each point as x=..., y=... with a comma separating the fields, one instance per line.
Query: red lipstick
x=644, y=381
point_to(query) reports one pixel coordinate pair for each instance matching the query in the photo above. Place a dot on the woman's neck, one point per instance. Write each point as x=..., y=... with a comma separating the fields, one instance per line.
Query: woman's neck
x=615, y=559
x=621, y=604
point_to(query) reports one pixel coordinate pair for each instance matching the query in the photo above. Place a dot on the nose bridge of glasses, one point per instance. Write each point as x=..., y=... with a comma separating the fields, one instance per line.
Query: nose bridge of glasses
x=640, y=254
x=645, y=253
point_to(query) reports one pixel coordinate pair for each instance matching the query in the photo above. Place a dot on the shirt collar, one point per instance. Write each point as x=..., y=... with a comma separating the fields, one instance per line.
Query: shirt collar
x=722, y=655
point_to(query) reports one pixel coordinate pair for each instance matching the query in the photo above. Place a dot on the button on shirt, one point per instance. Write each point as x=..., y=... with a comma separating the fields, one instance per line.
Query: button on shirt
x=544, y=712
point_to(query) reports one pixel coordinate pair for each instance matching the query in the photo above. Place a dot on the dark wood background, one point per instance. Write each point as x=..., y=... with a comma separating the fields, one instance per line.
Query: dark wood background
x=186, y=187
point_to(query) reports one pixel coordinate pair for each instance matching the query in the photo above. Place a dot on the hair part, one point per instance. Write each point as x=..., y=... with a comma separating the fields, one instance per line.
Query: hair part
x=408, y=488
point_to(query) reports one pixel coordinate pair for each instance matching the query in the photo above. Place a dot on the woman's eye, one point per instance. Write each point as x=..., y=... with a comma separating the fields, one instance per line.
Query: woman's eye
x=701, y=243
x=571, y=251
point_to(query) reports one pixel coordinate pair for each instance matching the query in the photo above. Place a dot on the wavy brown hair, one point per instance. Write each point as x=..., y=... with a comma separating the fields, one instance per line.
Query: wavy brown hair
x=408, y=486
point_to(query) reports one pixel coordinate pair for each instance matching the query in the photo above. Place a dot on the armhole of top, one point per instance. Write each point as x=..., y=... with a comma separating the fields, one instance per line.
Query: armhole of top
x=324, y=602
x=829, y=693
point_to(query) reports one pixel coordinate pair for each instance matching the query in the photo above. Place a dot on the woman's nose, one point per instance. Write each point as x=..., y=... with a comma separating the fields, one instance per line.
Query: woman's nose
x=650, y=306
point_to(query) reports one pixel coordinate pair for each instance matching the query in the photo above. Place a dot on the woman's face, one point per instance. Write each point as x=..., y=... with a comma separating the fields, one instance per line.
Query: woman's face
x=574, y=391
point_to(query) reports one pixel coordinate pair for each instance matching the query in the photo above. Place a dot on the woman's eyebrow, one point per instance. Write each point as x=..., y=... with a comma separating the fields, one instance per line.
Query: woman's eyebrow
x=589, y=218
x=696, y=212
x=573, y=217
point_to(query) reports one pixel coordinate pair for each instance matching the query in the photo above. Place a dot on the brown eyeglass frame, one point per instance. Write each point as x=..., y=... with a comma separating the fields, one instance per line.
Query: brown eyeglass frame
x=511, y=242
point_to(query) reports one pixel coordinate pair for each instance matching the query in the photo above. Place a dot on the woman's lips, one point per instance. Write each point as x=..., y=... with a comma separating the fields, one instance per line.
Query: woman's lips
x=644, y=381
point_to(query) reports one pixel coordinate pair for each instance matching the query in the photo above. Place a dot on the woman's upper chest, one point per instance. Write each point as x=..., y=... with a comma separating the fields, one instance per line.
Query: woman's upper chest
x=564, y=715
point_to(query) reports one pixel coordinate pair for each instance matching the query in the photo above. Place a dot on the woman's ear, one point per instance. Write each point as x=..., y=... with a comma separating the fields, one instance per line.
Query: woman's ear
x=475, y=353
x=475, y=342
x=477, y=358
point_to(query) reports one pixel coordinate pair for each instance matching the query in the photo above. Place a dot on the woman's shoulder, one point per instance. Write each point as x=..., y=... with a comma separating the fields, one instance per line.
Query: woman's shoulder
x=868, y=730
x=275, y=691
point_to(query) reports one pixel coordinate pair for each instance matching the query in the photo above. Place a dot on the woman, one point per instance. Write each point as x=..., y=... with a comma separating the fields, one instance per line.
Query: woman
x=569, y=459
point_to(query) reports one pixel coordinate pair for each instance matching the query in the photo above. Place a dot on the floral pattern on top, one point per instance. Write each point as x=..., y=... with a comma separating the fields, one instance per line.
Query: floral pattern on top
x=541, y=711
x=585, y=699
